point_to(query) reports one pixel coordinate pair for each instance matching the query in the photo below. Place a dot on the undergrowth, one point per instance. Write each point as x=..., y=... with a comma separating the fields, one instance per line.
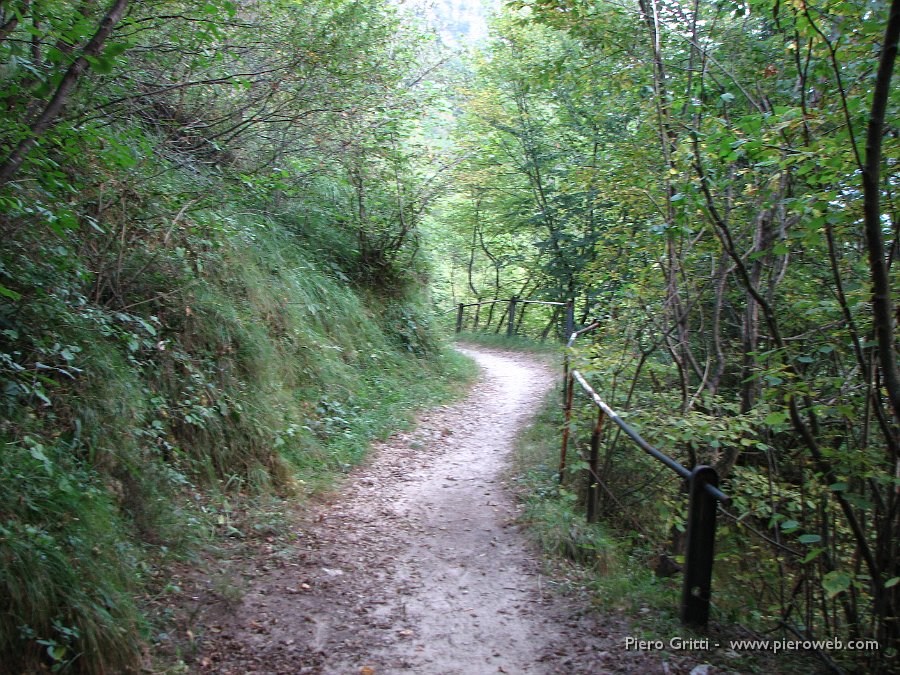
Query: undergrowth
x=612, y=569
x=613, y=566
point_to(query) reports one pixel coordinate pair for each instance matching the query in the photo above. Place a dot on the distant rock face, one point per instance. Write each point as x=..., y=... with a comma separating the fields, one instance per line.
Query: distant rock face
x=458, y=22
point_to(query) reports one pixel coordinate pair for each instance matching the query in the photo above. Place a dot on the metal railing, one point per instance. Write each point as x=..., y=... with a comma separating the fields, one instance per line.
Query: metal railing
x=704, y=493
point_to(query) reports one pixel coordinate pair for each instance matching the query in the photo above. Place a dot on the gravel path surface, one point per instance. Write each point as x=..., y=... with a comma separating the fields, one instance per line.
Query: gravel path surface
x=419, y=565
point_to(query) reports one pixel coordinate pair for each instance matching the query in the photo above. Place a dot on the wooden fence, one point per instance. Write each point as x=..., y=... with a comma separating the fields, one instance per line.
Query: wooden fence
x=703, y=481
x=512, y=305
x=704, y=494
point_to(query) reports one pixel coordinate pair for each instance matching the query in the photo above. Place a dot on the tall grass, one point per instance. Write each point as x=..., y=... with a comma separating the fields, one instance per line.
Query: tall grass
x=610, y=567
x=253, y=370
x=67, y=565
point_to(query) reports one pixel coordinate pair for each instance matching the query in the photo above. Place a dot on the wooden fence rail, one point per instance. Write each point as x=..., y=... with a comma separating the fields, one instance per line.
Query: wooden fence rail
x=512, y=304
x=704, y=493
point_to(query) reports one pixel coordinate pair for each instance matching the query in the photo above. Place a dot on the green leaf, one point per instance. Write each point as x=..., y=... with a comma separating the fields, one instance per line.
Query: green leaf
x=38, y=453
x=146, y=326
x=813, y=554
x=836, y=582
x=790, y=525
x=809, y=538
x=114, y=50
x=8, y=293
x=101, y=64
x=57, y=652
x=890, y=583
x=859, y=501
x=775, y=419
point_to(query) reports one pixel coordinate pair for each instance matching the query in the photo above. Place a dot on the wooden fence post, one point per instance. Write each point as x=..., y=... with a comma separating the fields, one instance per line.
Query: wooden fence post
x=459, y=317
x=511, y=320
x=701, y=537
x=593, y=487
x=567, y=409
x=702, y=507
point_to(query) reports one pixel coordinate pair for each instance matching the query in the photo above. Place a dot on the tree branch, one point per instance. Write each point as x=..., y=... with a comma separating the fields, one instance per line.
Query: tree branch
x=56, y=104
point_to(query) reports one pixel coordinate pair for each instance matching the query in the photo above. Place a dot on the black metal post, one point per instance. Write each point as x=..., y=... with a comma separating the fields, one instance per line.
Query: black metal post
x=701, y=537
x=459, y=317
x=511, y=320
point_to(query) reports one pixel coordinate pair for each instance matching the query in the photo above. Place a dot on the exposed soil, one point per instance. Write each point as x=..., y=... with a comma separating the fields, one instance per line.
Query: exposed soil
x=419, y=565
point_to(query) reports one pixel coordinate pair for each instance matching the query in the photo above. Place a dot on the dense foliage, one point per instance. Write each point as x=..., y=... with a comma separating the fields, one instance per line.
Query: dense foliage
x=210, y=284
x=717, y=183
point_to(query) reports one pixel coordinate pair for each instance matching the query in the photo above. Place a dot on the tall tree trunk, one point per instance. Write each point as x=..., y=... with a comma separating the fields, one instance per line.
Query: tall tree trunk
x=882, y=304
x=886, y=600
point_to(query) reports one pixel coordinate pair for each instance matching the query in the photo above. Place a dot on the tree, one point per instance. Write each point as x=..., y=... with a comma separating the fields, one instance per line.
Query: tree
x=736, y=226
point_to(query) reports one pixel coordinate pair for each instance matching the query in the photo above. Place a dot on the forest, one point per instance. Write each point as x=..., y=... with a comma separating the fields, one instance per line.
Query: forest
x=233, y=231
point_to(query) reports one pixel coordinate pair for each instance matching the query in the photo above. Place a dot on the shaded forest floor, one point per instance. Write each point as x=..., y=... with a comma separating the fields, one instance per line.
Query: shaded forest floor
x=418, y=566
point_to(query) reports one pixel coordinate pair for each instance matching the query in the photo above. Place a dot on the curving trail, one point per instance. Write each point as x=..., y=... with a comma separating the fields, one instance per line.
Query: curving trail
x=419, y=567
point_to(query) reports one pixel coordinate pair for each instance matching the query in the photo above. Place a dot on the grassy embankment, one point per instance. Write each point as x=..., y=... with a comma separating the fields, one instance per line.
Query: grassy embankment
x=231, y=360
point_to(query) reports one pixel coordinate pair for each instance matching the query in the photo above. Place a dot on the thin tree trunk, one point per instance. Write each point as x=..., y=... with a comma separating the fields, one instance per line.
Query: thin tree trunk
x=66, y=86
x=882, y=307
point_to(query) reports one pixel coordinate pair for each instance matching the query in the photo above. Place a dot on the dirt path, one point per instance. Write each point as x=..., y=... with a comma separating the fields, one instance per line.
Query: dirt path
x=419, y=567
